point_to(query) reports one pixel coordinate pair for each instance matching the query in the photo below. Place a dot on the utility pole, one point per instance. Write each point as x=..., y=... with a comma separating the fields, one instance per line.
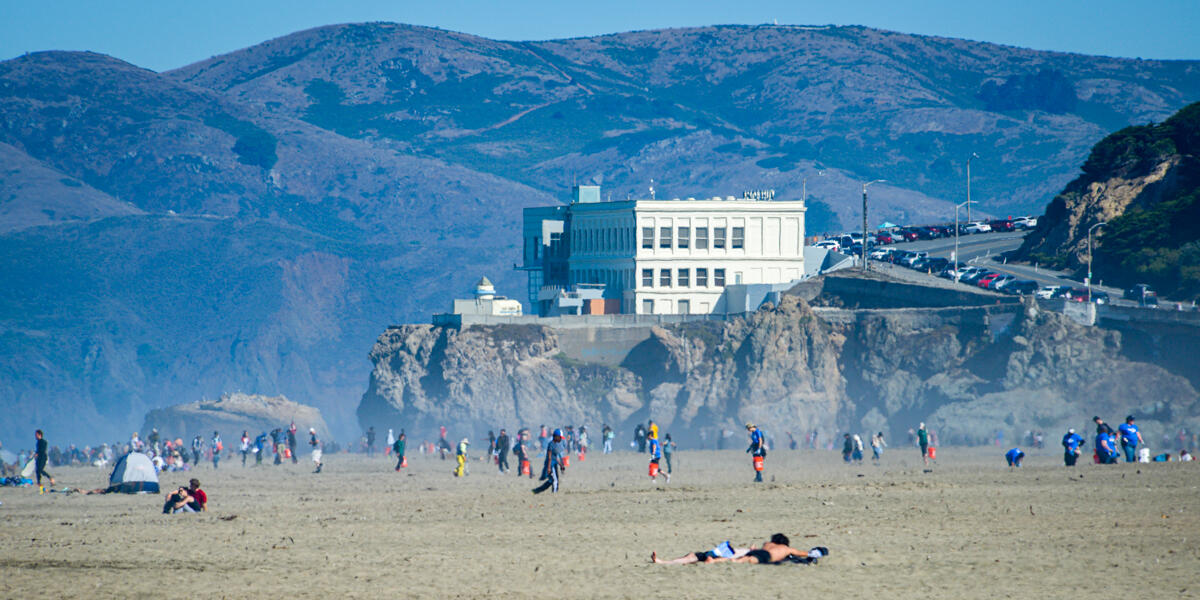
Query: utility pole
x=956, y=207
x=973, y=155
x=1089, y=244
x=864, y=236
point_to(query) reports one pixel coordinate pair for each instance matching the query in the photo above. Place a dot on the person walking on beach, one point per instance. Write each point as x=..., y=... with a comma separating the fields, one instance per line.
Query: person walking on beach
x=655, y=449
x=371, y=441
x=606, y=433
x=757, y=450
x=556, y=449
x=522, y=455
x=260, y=448
x=216, y=448
x=460, y=457
x=291, y=442
x=391, y=441
x=668, y=449
x=1071, y=443
x=1106, y=452
x=398, y=447
x=245, y=447
x=197, y=448
x=502, y=446
x=847, y=447
x=923, y=442
x=316, y=448
x=1131, y=437
x=877, y=446
x=41, y=454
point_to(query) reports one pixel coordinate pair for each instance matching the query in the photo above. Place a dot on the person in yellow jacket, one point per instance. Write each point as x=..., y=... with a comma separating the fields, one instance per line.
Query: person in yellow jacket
x=461, y=456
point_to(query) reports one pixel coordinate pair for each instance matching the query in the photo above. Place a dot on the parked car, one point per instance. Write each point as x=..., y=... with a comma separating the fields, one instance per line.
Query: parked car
x=986, y=281
x=912, y=258
x=884, y=238
x=1002, y=225
x=1053, y=291
x=998, y=284
x=1142, y=294
x=881, y=254
x=1081, y=295
x=978, y=228
x=974, y=277
x=909, y=235
x=1025, y=222
x=828, y=245
x=935, y=265
x=1021, y=287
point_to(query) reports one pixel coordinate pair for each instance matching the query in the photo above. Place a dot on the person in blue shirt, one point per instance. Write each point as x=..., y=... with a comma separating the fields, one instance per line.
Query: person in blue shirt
x=1014, y=457
x=552, y=468
x=1131, y=437
x=1071, y=443
x=757, y=447
x=1105, y=450
x=655, y=448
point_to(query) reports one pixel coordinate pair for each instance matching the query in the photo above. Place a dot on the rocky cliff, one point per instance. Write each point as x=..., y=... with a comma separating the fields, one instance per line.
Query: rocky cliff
x=968, y=371
x=1144, y=183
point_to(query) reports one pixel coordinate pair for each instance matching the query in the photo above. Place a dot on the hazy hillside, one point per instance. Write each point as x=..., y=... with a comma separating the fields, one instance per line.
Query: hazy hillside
x=253, y=221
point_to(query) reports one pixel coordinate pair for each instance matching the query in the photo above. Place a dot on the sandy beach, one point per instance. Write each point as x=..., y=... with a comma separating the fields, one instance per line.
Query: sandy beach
x=971, y=528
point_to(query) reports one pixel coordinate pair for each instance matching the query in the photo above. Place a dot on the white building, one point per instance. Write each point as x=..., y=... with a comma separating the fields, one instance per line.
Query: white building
x=664, y=256
x=486, y=302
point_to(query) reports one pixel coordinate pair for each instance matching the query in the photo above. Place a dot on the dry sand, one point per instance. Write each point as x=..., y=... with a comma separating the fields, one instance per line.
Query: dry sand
x=972, y=528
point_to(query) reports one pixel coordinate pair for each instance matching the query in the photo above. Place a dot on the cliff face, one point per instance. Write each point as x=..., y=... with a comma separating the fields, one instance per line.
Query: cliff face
x=969, y=372
x=1144, y=183
x=232, y=414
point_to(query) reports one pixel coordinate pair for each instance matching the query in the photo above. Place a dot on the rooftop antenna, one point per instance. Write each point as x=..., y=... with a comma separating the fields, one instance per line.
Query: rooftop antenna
x=651, y=189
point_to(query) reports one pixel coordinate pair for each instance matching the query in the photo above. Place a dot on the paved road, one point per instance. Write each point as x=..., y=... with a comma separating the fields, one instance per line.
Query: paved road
x=978, y=249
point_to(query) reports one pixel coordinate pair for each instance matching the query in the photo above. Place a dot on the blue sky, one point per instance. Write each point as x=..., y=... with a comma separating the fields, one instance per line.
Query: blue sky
x=165, y=34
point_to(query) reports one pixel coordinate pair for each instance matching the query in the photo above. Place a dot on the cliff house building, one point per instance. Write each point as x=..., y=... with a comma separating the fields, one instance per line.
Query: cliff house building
x=660, y=256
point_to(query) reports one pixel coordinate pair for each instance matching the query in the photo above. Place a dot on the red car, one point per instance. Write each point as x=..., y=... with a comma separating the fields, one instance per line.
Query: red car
x=985, y=281
x=885, y=238
x=1002, y=225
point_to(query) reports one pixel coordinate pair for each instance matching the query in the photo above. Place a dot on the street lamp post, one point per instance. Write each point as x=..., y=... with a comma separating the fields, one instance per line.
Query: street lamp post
x=973, y=155
x=956, y=207
x=1089, y=244
x=864, y=236
x=804, y=186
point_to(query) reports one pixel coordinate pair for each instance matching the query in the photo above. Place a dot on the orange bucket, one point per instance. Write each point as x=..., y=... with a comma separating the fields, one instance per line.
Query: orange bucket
x=566, y=460
x=525, y=467
x=653, y=470
x=287, y=452
x=403, y=462
x=582, y=457
x=758, y=463
x=932, y=453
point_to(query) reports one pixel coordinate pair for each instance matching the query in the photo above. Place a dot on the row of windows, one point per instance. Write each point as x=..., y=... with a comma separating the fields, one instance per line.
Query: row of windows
x=601, y=240
x=681, y=237
x=682, y=278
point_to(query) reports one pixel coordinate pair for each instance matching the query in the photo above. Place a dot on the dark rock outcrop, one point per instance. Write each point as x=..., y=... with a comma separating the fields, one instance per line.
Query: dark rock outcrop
x=233, y=413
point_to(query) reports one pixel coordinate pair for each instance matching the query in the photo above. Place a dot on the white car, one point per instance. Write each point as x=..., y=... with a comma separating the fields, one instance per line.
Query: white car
x=1025, y=222
x=1052, y=291
x=978, y=228
x=828, y=245
x=881, y=254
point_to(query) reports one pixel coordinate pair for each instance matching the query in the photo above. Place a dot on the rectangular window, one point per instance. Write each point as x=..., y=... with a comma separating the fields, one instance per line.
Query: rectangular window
x=718, y=237
x=685, y=236
x=664, y=237
x=701, y=277
x=719, y=277
x=739, y=238
x=664, y=277
x=647, y=277
x=702, y=238
x=685, y=307
x=647, y=307
x=648, y=238
x=683, y=277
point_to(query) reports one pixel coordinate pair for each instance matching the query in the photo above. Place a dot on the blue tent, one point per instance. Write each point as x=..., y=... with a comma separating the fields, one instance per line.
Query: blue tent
x=134, y=473
x=887, y=224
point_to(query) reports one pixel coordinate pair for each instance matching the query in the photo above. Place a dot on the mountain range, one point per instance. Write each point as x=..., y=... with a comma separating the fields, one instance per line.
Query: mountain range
x=252, y=221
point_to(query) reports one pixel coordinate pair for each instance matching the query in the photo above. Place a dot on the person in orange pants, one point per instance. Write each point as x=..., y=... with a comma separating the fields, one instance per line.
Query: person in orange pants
x=757, y=449
x=655, y=449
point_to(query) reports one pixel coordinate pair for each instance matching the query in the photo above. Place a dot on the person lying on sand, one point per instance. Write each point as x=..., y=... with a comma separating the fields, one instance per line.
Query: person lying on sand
x=723, y=550
x=775, y=551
